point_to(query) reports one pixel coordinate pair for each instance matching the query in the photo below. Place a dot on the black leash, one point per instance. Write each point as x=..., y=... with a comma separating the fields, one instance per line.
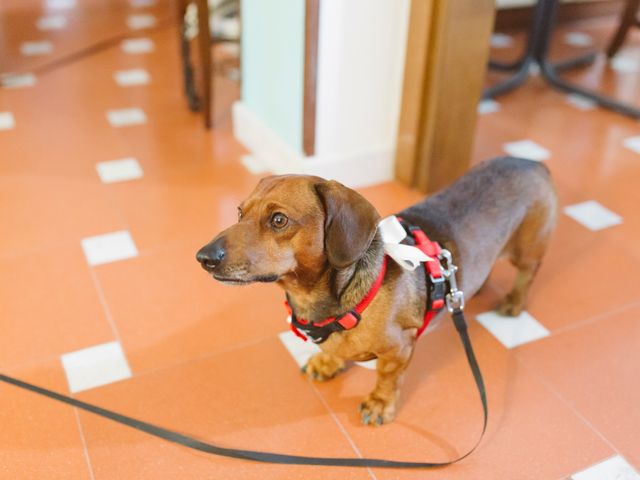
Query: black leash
x=268, y=457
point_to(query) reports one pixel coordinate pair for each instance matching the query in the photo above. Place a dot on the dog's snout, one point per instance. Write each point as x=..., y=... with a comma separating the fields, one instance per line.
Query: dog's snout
x=211, y=254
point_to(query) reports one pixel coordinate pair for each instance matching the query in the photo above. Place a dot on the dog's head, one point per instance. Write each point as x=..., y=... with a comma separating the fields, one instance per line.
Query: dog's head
x=291, y=226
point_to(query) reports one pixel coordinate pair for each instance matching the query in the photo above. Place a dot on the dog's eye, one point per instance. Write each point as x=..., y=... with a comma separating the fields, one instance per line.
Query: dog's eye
x=239, y=214
x=279, y=220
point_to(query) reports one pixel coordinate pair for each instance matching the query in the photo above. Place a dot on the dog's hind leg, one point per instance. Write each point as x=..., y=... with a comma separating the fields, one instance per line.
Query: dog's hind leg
x=515, y=301
x=525, y=250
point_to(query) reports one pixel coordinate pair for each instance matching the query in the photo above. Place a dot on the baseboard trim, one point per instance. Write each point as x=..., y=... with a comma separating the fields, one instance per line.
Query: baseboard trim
x=356, y=169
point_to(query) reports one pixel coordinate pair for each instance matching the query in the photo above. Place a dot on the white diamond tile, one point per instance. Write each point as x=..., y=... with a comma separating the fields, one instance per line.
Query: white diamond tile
x=119, y=170
x=140, y=21
x=109, y=247
x=632, y=143
x=137, y=46
x=300, y=350
x=581, y=102
x=488, y=106
x=593, y=215
x=614, y=468
x=126, y=116
x=501, y=40
x=142, y=3
x=513, y=331
x=61, y=4
x=7, y=122
x=22, y=80
x=578, y=39
x=133, y=77
x=31, y=49
x=52, y=22
x=625, y=64
x=95, y=366
x=527, y=149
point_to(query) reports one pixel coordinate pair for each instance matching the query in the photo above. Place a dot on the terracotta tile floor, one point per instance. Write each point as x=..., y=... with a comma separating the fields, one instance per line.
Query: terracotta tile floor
x=206, y=359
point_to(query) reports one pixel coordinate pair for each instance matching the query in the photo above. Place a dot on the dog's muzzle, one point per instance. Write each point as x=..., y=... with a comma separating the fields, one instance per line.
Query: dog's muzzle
x=211, y=254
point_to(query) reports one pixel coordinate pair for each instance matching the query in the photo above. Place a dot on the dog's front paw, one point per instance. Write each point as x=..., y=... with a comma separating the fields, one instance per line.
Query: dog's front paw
x=323, y=366
x=376, y=410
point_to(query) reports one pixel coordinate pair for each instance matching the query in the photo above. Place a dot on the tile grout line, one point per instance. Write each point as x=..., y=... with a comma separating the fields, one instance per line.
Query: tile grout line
x=340, y=426
x=84, y=444
x=571, y=407
x=597, y=317
x=202, y=356
x=105, y=307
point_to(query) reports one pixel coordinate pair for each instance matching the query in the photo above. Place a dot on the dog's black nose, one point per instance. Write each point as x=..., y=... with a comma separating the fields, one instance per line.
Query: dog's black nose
x=211, y=254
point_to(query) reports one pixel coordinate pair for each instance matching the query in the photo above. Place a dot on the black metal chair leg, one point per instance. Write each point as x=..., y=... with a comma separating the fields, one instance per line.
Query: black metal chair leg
x=549, y=73
x=537, y=50
x=511, y=83
x=507, y=67
x=577, y=62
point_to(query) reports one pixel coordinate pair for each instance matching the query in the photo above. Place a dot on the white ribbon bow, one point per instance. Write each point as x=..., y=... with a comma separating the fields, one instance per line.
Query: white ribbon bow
x=407, y=256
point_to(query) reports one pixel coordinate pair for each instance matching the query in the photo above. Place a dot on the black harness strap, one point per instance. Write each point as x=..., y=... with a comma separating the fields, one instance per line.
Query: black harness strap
x=268, y=457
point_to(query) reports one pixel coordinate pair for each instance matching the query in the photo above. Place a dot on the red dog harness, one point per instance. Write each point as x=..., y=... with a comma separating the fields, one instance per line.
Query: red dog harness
x=319, y=331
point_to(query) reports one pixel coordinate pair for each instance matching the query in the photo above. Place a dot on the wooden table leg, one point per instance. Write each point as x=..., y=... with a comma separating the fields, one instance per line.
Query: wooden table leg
x=204, y=42
x=447, y=55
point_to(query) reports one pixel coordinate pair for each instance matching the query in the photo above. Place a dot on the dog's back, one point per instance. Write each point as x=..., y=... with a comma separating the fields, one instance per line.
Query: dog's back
x=513, y=197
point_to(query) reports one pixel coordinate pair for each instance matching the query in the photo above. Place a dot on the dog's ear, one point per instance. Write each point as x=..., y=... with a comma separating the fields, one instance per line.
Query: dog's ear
x=350, y=223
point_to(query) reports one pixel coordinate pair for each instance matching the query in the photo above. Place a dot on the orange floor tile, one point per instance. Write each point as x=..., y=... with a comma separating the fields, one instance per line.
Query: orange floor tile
x=206, y=359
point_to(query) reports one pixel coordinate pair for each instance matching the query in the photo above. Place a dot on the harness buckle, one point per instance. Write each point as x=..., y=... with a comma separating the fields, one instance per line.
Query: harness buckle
x=455, y=297
x=349, y=320
x=455, y=300
x=437, y=292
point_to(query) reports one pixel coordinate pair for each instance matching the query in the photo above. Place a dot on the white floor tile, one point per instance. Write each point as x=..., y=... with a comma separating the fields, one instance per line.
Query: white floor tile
x=30, y=49
x=593, y=215
x=22, y=80
x=142, y=3
x=501, y=40
x=527, y=149
x=581, y=102
x=513, y=331
x=632, y=143
x=488, y=106
x=52, y=22
x=129, y=78
x=578, y=39
x=625, y=64
x=614, y=468
x=109, y=247
x=119, y=170
x=140, y=21
x=300, y=350
x=253, y=164
x=136, y=46
x=7, y=122
x=61, y=4
x=126, y=117
x=534, y=69
x=95, y=366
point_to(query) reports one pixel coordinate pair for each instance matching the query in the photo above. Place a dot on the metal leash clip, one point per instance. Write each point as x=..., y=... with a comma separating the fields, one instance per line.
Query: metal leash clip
x=455, y=297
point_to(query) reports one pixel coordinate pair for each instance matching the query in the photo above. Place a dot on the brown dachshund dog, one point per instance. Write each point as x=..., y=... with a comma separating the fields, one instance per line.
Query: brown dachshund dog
x=319, y=241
